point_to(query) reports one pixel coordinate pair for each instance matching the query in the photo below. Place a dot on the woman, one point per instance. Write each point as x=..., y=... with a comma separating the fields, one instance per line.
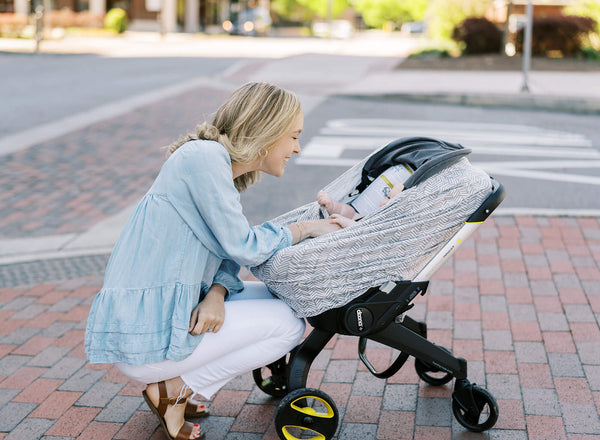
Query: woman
x=172, y=312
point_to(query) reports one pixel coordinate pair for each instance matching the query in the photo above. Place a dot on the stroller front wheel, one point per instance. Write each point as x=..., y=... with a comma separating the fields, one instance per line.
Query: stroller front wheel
x=306, y=413
x=480, y=417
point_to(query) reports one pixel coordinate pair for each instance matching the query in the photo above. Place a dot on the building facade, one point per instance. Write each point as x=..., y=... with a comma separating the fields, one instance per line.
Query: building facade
x=174, y=15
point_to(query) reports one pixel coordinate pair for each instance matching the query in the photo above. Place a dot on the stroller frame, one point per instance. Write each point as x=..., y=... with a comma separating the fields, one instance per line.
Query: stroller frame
x=379, y=315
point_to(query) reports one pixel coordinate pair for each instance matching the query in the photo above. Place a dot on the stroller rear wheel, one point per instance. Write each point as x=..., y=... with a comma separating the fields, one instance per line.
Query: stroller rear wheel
x=306, y=413
x=424, y=369
x=272, y=379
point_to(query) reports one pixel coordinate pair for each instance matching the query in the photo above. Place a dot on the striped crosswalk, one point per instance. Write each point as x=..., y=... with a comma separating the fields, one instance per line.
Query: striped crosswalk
x=504, y=150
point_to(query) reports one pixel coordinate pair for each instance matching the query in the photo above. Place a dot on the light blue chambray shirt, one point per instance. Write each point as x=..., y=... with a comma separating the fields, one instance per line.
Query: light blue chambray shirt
x=187, y=233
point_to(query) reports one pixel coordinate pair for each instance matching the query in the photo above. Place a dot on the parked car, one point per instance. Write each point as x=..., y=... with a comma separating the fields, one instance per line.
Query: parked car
x=413, y=27
x=251, y=22
x=335, y=29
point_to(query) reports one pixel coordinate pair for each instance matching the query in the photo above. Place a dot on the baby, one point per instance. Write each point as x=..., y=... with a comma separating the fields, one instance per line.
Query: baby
x=377, y=194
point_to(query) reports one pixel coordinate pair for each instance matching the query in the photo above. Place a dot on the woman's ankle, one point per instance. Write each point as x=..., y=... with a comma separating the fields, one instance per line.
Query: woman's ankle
x=176, y=388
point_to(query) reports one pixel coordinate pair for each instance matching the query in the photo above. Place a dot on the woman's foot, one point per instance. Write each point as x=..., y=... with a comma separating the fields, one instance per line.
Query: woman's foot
x=169, y=404
x=193, y=408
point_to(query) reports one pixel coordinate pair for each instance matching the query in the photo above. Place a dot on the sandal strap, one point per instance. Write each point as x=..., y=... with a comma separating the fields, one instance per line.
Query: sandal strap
x=164, y=400
x=185, y=431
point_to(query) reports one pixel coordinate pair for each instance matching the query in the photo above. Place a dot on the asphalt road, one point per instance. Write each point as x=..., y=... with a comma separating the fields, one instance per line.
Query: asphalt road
x=548, y=162
x=37, y=89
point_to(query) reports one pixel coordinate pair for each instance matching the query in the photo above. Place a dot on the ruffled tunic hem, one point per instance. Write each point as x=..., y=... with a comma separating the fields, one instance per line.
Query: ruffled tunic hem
x=155, y=320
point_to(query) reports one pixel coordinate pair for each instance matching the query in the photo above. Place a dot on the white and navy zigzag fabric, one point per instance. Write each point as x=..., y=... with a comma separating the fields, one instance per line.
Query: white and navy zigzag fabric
x=393, y=243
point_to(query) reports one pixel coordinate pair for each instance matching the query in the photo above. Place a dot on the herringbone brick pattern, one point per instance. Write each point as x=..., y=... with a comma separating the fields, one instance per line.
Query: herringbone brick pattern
x=70, y=183
x=520, y=301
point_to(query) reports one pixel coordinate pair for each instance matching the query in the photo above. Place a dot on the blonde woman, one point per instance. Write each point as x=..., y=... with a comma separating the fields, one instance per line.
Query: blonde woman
x=172, y=312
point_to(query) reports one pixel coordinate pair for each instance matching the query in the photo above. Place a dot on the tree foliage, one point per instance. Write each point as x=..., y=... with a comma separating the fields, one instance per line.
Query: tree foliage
x=376, y=13
x=444, y=15
x=291, y=11
x=320, y=7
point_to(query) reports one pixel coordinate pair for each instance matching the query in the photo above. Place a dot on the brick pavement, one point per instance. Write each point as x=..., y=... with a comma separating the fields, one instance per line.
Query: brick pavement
x=520, y=301
x=69, y=183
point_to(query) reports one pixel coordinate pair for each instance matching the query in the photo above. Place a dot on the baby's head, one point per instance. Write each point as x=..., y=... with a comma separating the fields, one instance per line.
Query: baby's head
x=397, y=189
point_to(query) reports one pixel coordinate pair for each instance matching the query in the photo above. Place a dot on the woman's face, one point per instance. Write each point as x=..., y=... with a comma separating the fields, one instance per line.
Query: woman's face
x=280, y=152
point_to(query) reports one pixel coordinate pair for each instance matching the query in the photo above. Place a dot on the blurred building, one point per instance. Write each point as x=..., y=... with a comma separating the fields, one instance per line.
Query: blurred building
x=174, y=15
x=515, y=9
x=511, y=14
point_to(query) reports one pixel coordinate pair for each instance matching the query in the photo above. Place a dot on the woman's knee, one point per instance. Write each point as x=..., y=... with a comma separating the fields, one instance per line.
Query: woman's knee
x=290, y=326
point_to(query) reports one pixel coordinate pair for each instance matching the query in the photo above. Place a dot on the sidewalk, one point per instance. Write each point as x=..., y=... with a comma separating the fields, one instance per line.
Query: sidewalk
x=520, y=300
x=556, y=91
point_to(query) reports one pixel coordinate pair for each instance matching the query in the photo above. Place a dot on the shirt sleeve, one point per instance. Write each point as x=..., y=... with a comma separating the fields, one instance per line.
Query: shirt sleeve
x=227, y=276
x=200, y=187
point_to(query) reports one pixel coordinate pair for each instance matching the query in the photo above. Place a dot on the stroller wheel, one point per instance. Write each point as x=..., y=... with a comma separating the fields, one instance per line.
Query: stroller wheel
x=438, y=378
x=306, y=413
x=480, y=417
x=272, y=379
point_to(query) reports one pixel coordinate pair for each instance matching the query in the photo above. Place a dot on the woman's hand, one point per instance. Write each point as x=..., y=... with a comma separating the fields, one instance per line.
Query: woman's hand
x=208, y=316
x=342, y=221
x=316, y=228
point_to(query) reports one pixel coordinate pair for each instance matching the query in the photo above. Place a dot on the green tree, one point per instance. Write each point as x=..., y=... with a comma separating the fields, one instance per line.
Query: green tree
x=320, y=7
x=377, y=13
x=291, y=10
x=444, y=15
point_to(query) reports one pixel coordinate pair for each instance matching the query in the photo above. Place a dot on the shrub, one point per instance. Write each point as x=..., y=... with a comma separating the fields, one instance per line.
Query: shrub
x=563, y=33
x=478, y=36
x=589, y=53
x=444, y=15
x=116, y=20
x=586, y=8
x=12, y=25
x=431, y=53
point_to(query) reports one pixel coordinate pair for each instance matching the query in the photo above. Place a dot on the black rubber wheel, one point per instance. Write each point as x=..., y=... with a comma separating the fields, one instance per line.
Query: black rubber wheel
x=423, y=370
x=487, y=411
x=306, y=413
x=272, y=379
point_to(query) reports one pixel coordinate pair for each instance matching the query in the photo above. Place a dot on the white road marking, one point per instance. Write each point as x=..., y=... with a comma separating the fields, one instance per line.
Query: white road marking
x=340, y=141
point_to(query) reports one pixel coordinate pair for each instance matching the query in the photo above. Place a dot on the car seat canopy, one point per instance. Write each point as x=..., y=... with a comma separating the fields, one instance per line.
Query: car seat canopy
x=391, y=244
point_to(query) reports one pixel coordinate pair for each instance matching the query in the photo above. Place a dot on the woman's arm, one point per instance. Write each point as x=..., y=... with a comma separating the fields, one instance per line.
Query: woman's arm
x=199, y=185
x=312, y=228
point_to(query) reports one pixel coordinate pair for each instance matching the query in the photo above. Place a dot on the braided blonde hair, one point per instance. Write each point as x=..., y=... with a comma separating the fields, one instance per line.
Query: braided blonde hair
x=247, y=124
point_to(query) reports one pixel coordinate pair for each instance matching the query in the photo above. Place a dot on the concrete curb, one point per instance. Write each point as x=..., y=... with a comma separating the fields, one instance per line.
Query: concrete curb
x=522, y=102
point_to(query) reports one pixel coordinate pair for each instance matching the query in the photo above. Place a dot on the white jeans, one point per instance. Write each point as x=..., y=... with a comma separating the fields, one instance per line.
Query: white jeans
x=258, y=329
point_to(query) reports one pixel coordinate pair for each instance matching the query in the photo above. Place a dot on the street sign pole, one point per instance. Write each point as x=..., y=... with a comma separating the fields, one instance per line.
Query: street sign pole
x=527, y=46
x=39, y=25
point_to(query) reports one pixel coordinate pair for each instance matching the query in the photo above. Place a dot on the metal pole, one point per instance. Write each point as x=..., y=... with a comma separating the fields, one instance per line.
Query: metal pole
x=329, y=16
x=160, y=18
x=39, y=26
x=506, y=31
x=527, y=47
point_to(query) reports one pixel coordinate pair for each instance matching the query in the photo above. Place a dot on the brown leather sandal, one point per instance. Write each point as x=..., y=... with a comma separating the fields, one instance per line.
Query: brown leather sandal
x=193, y=408
x=163, y=403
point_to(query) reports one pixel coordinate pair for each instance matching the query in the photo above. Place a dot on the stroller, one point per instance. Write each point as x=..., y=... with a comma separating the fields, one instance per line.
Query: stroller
x=379, y=313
